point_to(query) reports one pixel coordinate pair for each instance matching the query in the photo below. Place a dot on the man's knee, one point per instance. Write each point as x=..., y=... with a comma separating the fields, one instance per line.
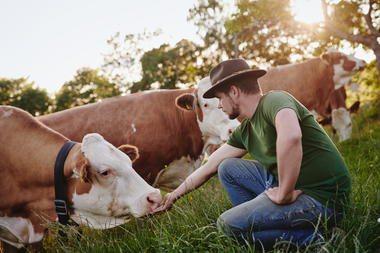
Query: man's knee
x=223, y=226
x=225, y=166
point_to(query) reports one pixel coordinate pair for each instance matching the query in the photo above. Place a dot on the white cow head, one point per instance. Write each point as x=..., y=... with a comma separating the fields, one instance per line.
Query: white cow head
x=345, y=66
x=341, y=123
x=116, y=190
x=213, y=123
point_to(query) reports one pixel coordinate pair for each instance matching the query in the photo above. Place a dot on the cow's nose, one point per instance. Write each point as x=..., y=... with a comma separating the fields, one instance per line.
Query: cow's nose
x=153, y=200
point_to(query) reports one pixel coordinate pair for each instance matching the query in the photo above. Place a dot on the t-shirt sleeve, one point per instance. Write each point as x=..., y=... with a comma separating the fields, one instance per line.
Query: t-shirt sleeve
x=275, y=101
x=234, y=139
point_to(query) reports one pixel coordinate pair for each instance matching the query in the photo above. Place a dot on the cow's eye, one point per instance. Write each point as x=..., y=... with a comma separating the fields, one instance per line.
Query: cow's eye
x=205, y=105
x=106, y=173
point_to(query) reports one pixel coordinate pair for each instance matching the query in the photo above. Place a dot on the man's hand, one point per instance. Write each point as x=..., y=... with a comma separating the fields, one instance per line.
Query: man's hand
x=166, y=203
x=275, y=195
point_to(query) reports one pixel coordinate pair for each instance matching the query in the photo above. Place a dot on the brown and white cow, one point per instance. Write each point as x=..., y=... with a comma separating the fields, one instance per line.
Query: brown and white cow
x=171, y=128
x=312, y=82
x=338, y=116
x=101, y=187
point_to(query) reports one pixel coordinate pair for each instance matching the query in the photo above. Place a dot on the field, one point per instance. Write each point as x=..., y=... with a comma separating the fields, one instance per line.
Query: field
x=190, y=225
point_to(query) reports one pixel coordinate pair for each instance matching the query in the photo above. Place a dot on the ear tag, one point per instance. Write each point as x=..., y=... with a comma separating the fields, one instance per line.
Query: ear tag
x=189, y=107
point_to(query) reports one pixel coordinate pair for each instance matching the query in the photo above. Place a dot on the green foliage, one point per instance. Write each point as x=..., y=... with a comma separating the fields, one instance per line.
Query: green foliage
x=370, y=81
x=265, y=31
x=88, y=86
x=122, y=62
x=210, y=17
x=21, y=94
x=169, y=66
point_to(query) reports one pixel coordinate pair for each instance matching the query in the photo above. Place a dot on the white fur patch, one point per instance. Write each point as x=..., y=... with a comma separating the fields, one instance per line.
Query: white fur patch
x=6, y=113
x=22, y=229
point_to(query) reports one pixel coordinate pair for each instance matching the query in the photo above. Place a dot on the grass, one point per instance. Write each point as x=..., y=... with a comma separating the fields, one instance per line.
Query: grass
x=191, y=224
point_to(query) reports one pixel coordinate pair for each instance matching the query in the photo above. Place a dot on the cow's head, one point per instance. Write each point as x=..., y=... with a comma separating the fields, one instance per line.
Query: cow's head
x=341, y=123
x=108, y=190
x=345, y=66
x=213, y=123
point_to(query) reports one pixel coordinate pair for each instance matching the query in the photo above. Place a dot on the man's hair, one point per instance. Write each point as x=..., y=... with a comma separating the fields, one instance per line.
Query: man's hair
x=247, y=85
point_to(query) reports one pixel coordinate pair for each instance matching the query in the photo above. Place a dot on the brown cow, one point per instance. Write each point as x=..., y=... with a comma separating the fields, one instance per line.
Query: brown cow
x=101, y=188
x=313, y=82
x=171, y=128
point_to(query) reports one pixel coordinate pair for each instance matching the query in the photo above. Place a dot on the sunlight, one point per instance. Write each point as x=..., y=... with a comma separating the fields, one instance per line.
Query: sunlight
x=308, y=11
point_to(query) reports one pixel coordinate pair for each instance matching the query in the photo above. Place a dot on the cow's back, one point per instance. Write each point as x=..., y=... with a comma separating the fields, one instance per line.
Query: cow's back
x=310, y=82
x=148, y=120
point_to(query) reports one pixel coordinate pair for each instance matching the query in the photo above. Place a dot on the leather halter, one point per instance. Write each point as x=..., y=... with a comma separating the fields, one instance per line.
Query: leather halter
x=59, y=202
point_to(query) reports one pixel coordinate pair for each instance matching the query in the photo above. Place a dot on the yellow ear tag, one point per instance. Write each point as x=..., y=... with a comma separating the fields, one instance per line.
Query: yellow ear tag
x=81, y=180
x=189, y=107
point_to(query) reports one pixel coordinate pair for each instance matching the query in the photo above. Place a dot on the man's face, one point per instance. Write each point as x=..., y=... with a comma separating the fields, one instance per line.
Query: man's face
x=227, y=105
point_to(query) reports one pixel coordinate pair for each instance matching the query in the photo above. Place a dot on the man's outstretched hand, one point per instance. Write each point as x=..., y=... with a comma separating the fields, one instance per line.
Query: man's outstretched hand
x=166, y=203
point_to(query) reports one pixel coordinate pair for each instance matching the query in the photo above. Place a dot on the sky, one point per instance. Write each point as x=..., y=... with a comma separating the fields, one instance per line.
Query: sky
x=48, y=41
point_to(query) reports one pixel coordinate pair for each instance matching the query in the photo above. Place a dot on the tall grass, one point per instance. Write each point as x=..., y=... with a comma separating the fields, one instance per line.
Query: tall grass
x=191, y=224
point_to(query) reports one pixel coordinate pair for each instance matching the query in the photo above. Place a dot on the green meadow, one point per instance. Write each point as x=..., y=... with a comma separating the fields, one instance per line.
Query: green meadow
x=190, y=226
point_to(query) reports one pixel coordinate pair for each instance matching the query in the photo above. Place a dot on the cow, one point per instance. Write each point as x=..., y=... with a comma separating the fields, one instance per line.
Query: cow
x=171, y=128
x=101, y=188
x=338, y=115
x=313, y=82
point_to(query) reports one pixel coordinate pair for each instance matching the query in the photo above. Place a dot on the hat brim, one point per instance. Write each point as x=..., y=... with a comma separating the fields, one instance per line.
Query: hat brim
x=255, y=73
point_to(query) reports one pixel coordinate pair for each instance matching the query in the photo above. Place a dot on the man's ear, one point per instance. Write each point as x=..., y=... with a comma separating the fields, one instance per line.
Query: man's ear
x=130, y=151
x=234, y=91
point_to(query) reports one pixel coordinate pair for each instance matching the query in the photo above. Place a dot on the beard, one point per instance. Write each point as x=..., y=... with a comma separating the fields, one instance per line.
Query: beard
x=235, y=111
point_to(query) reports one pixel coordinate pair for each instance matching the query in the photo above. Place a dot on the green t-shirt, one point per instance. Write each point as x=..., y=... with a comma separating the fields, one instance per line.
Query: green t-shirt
x=323, y=175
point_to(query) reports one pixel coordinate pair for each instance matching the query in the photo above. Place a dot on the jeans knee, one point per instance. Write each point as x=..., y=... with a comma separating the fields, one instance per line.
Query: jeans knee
x=223, y=226
x=224, y=166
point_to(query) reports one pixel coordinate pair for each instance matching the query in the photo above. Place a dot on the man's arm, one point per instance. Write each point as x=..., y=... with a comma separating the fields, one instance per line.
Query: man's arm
x=200, y=176
x=289, y=157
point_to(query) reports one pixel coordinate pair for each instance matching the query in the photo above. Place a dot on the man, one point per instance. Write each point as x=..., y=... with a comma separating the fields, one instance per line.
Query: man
x=298, y=180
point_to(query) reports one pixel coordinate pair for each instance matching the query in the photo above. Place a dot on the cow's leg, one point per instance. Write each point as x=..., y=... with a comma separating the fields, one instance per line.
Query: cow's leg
x=7, y=248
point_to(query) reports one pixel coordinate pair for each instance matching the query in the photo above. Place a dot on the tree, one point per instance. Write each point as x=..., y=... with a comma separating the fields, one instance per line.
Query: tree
x=10, y=89
x=267, y=33
x=210, y=17
x=349, y=20
x=168, y=66
x=87, y=86
x=21, y=94
x=122, y=62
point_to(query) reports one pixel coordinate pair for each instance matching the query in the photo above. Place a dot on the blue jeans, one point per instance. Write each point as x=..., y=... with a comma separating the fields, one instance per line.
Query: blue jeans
x=256, y=218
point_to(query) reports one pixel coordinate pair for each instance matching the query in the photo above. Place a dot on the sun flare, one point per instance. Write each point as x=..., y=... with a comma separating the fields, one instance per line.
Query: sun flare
x=308, y=11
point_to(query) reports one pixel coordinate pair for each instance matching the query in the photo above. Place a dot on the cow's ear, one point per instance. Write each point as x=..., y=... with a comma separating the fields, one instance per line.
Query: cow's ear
x=326, y=58
x=185, y=102
x=325, y=121
x=130, y=151
x=355, y=107
x=85, y=170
